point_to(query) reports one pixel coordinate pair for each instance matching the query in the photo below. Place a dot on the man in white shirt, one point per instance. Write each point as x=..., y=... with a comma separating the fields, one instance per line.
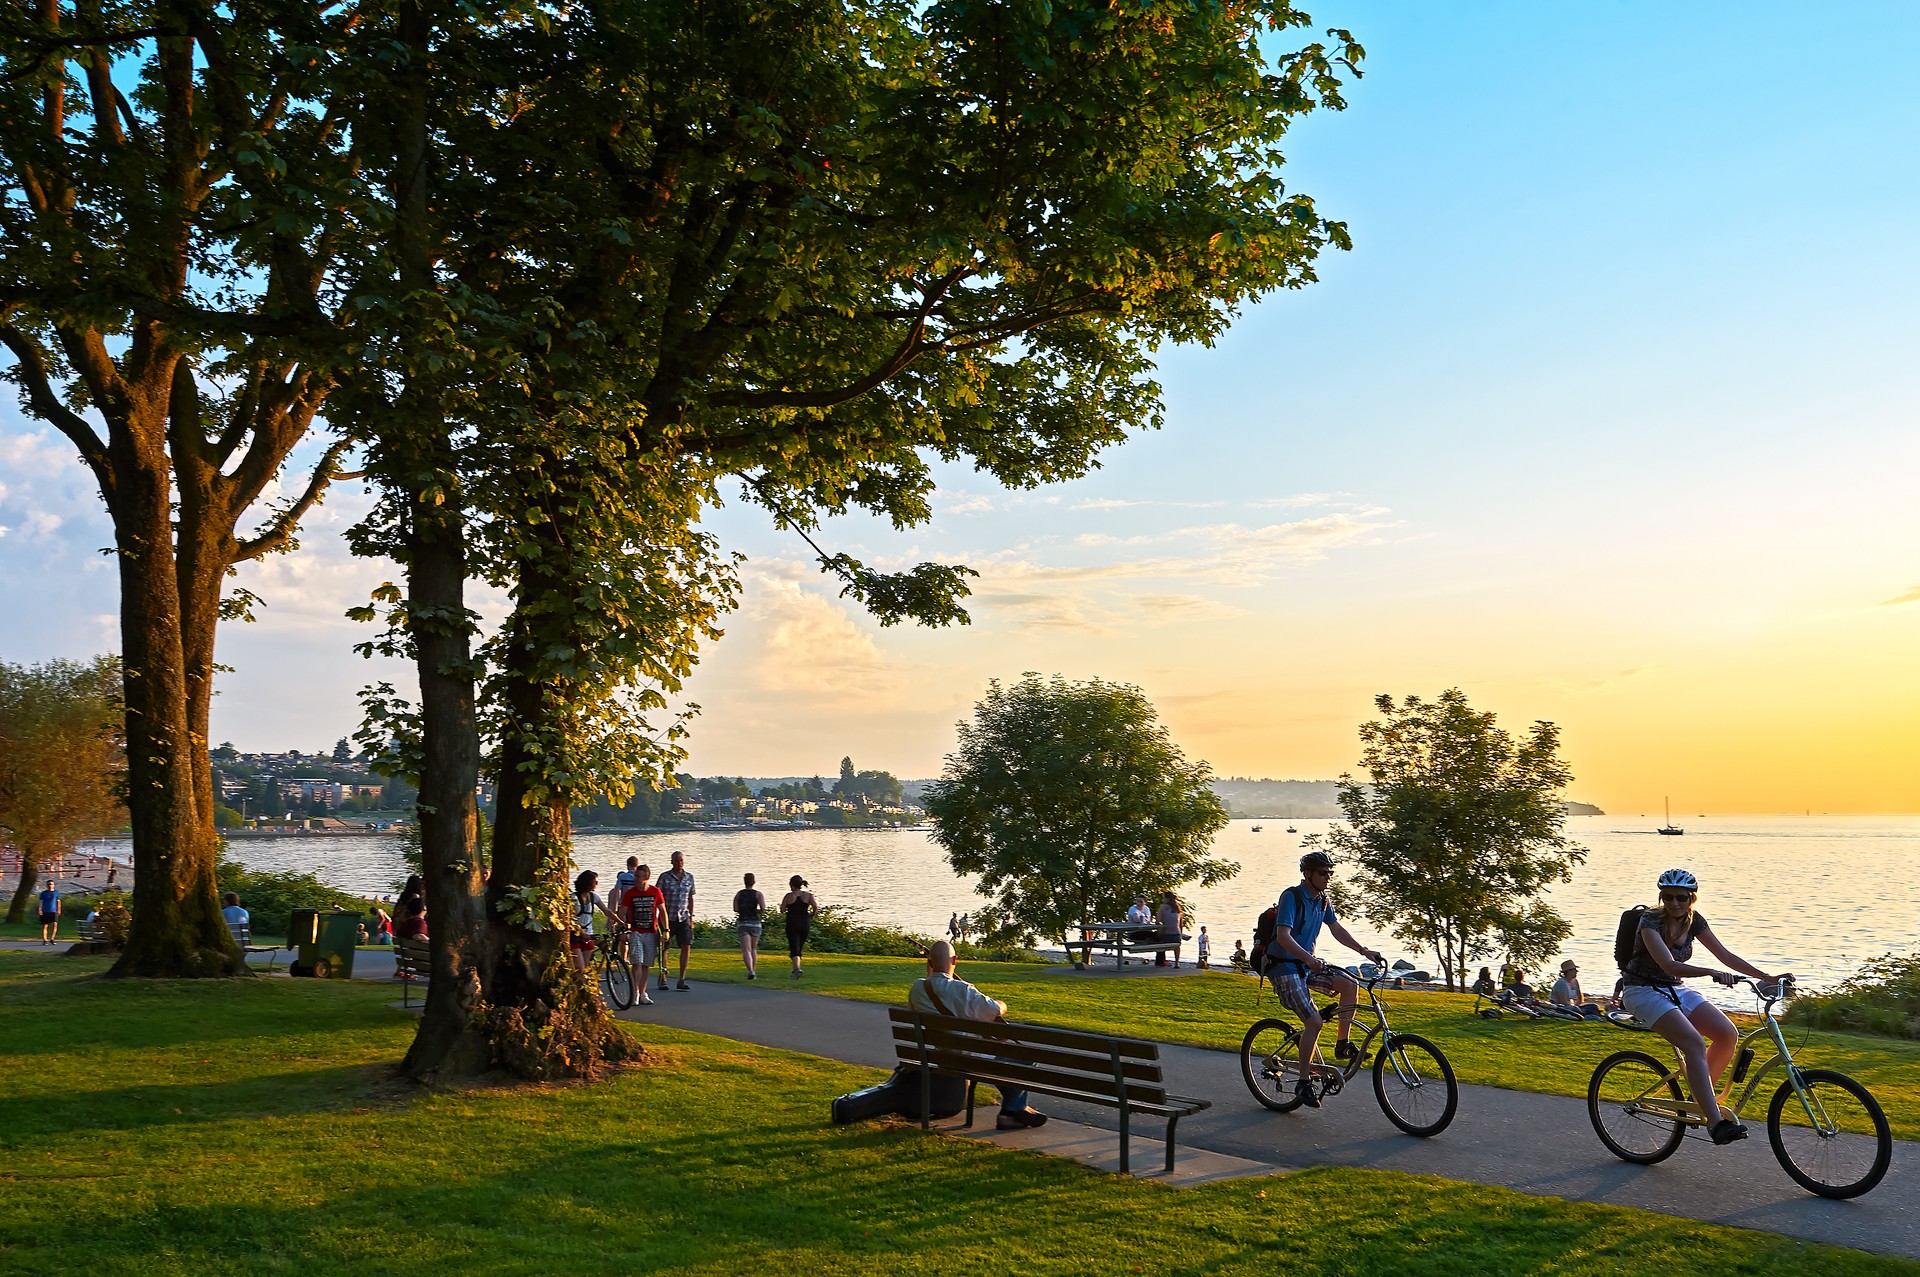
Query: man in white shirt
x=939, y=993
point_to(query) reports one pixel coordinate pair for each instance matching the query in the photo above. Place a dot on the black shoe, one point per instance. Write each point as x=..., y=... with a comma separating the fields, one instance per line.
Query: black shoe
x=1308, y=1096
x=684, y=987
x=1726, y=1131
x=1344, y=1051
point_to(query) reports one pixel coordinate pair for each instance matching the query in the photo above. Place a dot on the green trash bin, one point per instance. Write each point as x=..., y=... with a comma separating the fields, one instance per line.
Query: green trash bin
x=323, y=943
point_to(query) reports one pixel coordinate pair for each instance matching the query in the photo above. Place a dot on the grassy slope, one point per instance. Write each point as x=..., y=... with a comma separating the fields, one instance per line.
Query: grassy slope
x=1214, y=1009
x=216, y=1128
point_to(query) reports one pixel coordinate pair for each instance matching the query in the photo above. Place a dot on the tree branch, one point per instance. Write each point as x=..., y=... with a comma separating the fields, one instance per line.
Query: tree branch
x=278, y=534
x=47, y=406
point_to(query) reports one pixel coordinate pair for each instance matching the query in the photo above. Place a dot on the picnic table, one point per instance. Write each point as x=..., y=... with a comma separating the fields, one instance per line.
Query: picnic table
x=1121, y=937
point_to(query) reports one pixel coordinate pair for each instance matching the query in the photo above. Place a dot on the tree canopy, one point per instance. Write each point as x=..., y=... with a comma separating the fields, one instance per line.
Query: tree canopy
x=1458, y=831
x=62, y=761
x=1068, y=799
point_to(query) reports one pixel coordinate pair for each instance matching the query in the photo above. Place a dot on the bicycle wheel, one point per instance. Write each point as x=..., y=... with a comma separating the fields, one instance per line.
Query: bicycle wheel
x=1414, y=1084
x=616, y=978
x=1848, y=1153
x=1631, y=1132
x=1270, y=1063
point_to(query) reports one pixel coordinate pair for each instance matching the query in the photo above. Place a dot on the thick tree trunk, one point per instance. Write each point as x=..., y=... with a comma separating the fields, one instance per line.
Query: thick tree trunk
x=177, y=928
x=29, y=879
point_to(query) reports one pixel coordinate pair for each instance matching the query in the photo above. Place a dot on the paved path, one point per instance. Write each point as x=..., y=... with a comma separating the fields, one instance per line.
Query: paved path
x=1542, y=1144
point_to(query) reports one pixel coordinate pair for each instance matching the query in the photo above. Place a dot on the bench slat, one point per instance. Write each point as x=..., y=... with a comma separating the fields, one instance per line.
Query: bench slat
x=1036, y=1077
x=1039, y=1034
x=1070, y=1061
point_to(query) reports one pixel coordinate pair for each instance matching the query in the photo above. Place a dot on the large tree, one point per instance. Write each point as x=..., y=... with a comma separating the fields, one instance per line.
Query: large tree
x=175, y=192
x=1068, y=799
x=1458, y=831
x=62, y=761
x=814, y=247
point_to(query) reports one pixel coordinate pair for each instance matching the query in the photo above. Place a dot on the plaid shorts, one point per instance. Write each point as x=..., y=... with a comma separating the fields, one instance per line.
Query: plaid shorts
x=1296, y=989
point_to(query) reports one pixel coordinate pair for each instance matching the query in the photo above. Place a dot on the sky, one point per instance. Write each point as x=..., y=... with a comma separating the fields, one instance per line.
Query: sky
x=1608, y=420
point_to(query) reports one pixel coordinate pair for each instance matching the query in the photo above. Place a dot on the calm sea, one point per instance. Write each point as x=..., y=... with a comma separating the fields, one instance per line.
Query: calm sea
x=1817, y=895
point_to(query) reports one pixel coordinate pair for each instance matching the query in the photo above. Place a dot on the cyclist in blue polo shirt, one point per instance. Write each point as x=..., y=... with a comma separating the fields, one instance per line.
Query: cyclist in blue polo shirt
x=1303, y=910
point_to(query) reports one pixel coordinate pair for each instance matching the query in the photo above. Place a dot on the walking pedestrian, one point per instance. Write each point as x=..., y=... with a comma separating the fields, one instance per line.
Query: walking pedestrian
x=799, y=906
x=749, y=910
x=49, y=913
x=642, y=907
x=676, y=884
x=953, y=927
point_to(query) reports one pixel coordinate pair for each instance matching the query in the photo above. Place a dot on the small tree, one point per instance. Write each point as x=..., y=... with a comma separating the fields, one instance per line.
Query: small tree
x=62, y=757
x=1068, y=799
x=1459, y=832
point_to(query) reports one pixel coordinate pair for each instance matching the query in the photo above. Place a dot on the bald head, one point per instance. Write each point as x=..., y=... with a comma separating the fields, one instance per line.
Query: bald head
x=940, y=957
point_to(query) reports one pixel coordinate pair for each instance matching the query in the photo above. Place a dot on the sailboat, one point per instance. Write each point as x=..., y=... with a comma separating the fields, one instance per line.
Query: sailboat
x=1292, y=830
x=1670, y=828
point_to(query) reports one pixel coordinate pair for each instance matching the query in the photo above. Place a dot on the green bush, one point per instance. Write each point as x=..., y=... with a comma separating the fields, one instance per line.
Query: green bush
x=270, y=897
x=1883, y=997
x=837, y=930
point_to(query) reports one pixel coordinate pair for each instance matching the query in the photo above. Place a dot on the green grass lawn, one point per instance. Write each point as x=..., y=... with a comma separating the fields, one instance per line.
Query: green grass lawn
x=1214, y=1009
x=252, y=1127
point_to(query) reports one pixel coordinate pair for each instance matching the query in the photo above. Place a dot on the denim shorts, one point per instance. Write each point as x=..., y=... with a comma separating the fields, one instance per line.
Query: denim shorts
x=1648, y=1002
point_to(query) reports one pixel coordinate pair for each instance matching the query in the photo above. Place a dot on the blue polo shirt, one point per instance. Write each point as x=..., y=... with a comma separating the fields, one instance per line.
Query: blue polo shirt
x=49, y=901
x=1303, y=915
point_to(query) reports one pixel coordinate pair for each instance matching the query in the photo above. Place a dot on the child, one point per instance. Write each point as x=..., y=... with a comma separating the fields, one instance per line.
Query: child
x=1239, y=956
x=1206, y=948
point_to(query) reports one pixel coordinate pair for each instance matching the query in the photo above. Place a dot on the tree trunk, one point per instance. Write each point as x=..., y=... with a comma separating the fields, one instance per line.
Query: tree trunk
x=177, y=928
x=29, y=879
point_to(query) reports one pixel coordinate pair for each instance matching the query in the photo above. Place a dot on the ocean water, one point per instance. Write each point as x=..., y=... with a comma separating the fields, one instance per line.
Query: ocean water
x=1817, y=895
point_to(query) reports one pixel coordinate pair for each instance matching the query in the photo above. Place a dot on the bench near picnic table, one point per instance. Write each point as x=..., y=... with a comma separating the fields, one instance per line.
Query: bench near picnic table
x=1116, y=1073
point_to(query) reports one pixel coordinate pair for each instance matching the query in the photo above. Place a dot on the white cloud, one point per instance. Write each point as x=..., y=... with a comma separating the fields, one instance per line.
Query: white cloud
x=967, y=503
x=1911, y=596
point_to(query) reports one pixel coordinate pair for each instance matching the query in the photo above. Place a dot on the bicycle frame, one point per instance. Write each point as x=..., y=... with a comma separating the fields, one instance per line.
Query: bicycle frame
x=1688, y=1112
x=1380, y=1027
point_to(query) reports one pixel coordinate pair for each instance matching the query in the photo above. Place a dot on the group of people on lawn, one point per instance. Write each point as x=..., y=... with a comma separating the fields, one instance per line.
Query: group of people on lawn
x=654, y=914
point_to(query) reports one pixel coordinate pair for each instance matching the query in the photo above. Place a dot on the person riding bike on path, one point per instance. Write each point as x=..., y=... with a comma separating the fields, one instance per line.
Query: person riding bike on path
x=1296, y=972
x=1653, y=994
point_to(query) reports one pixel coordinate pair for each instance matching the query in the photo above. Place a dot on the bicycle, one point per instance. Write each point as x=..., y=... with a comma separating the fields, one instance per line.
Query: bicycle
x=613, y=973
x=1411, y=1078
x=1818, y=1122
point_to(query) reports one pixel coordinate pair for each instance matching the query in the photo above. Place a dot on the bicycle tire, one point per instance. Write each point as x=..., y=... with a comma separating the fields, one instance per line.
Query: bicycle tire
x=1802, y=1151
x=1632, y=1073
x=1405, y=1071
x=616, y=979
x=1271, y=1065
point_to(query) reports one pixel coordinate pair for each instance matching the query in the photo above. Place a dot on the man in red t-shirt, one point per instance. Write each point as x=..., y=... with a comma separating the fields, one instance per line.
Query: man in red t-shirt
x=642, y=907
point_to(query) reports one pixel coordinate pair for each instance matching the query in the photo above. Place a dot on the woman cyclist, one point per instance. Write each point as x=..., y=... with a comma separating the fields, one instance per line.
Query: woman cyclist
x=1652, y=994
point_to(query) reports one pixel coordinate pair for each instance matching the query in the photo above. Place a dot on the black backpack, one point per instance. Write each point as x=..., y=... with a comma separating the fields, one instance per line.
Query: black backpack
x=1623, y=938
x=1263, y=929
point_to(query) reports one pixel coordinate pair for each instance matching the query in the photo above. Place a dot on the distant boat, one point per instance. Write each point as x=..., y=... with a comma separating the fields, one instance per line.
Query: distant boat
x=1256, y=829
x=1670, y=828
x=1292, y=830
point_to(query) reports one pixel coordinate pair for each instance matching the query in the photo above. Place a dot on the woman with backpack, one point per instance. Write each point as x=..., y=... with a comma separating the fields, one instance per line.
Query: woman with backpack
x=1653, y=961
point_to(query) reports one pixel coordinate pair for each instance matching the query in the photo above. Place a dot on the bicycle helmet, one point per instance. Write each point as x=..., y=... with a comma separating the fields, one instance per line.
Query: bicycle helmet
x=1315, y=860
x=1678, y=878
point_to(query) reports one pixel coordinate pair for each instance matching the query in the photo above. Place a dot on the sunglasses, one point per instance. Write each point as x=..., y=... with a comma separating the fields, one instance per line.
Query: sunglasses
x=1675, y=897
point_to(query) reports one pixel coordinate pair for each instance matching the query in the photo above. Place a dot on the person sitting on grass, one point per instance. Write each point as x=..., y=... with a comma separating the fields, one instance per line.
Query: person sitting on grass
x=939, y=993
x=1483, y=986
x=1567, y=992
x=1239, y=958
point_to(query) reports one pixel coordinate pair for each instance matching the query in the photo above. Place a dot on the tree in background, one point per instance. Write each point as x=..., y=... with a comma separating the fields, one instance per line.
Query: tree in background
x=1068, y=799
x=62, y=761
x=868, y=788
x=176, y=197
x=1458, y=832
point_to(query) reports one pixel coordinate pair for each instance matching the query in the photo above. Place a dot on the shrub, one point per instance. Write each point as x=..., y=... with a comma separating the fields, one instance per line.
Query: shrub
x=270, y=897
x=837, y=930
x=1883, y=997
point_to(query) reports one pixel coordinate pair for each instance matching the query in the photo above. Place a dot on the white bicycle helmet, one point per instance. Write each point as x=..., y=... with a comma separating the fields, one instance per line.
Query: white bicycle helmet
x=1678, y=878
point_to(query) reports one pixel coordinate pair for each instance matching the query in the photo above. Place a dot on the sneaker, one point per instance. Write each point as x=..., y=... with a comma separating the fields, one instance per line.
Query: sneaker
x=753, y=975
x=684, y=987
x=1308, y=1096
x=663, y=986
x=1345, y=1051
x=645, y=1001
x=1726, y=1131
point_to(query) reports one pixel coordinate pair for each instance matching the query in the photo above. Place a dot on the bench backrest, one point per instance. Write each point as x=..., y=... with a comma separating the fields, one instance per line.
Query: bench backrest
x=410, y=954
x=1035, y=1055
x=242, y=933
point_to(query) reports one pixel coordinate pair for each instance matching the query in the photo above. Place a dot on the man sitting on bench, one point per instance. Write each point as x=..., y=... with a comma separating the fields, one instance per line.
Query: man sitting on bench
x=939, y=993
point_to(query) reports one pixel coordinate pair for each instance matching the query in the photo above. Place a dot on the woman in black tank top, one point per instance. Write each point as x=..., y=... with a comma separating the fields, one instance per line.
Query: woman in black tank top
x=799, y=906
x=748, y=906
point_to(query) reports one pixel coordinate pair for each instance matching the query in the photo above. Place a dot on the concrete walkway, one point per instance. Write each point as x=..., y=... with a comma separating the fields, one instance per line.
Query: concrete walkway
x=1541, y=1144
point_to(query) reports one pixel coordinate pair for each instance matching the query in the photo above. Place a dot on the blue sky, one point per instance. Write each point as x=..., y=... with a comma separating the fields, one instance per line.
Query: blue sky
x=1609, y=419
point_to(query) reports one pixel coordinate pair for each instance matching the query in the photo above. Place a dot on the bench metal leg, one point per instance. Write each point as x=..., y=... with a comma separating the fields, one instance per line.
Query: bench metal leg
x=970, y=1085
x=1171, y=1123
x=1126, y=1167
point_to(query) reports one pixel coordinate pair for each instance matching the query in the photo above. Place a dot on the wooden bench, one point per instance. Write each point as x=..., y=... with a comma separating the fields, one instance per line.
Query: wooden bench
x=243, y=936
x=1121, y=948
x=1116, y=1073
x=412, y=960
x=90, y=930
